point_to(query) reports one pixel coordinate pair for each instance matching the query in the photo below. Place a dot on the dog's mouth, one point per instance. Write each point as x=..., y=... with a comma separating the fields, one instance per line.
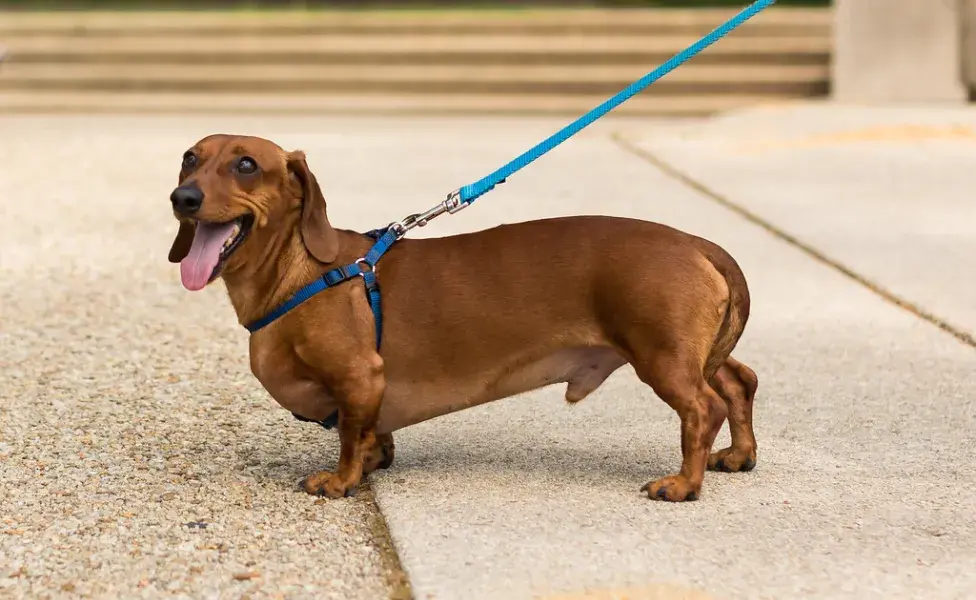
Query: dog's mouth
x=213, y=244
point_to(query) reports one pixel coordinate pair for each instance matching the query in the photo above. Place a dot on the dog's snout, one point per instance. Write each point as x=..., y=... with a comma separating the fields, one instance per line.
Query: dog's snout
x=187, y=199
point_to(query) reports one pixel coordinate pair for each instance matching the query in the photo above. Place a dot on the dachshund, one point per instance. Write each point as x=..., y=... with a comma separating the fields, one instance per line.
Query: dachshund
x=467, y=319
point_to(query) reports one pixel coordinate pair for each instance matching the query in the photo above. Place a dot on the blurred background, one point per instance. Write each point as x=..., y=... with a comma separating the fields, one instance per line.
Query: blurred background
x=439, y=57
x=525, y=57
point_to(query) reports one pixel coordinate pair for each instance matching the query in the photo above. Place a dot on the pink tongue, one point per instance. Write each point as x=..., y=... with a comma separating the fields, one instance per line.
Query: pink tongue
x=196, y=268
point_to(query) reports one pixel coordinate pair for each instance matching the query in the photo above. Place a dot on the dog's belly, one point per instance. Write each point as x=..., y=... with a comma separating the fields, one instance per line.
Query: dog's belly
x=583, y=369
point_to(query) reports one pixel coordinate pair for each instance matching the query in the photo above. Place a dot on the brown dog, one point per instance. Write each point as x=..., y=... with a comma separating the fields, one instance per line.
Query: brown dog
x=468, y=318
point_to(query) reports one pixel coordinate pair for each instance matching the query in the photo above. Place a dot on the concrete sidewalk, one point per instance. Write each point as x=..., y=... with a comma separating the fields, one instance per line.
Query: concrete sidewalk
x=888, y=192
x=866, y=415
x=177, y=474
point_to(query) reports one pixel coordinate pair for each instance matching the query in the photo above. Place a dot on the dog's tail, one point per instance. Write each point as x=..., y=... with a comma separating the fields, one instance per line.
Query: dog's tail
x=737, y=310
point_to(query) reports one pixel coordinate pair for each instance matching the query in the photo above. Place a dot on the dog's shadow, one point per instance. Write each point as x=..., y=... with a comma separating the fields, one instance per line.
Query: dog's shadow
x=449, y=452
x=496, y=441
x=537, y=458
x=511, y=438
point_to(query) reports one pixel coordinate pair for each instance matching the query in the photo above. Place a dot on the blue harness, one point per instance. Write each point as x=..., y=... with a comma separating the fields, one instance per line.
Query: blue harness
x=457, y=200
x=384, y=239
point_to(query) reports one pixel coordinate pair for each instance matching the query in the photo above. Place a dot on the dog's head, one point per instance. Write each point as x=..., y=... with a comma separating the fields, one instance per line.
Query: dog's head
x=236, y=197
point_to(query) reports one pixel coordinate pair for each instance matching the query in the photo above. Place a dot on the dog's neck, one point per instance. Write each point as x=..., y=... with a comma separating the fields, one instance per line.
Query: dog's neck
x=256, y=291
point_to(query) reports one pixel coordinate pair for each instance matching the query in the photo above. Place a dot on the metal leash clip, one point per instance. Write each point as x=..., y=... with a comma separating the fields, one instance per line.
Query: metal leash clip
x=452, y=204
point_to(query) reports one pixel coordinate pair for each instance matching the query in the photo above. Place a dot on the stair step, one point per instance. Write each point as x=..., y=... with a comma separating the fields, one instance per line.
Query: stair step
x=413, y=79
x=785, y=21
x=402, y=50
x=538, y=61
x=384, y=44
x=156, y=103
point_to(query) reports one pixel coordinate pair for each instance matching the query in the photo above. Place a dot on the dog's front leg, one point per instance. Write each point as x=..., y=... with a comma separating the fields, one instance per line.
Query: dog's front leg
x=359, y=409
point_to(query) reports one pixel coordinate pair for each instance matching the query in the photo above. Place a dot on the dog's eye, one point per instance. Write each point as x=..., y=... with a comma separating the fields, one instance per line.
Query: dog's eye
x=189, y=160
x=246, y=165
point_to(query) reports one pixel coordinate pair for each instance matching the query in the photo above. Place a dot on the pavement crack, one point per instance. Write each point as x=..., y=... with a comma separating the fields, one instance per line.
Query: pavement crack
x=724, y=201
x=396, y=577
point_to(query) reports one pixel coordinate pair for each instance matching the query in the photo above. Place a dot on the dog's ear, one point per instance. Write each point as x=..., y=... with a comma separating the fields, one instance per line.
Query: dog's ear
x=182, y=243
x=319, y=237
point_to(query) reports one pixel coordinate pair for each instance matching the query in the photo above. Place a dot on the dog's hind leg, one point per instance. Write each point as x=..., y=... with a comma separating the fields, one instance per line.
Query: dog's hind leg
x=678, y=380
x=736, y=384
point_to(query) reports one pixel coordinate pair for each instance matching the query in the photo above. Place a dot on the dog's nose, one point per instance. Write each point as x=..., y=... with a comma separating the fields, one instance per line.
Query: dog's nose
x=187, y=199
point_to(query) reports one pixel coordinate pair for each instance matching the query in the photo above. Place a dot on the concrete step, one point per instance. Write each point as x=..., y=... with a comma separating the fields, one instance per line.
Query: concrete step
x=19, y=102
x=405, y=49
x=441, y=79
x=778, y=21
x=514, y=61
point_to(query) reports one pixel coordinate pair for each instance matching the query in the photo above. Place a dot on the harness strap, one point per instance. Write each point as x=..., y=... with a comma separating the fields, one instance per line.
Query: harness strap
x=384, y=240
x=329, y=422
x=373, y=291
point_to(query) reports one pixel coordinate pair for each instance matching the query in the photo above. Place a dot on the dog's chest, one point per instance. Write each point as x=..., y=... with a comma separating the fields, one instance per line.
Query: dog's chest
x=291, y=385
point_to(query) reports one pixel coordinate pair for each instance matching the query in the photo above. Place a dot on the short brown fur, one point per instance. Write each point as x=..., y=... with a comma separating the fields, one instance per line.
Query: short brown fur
x=473, y=318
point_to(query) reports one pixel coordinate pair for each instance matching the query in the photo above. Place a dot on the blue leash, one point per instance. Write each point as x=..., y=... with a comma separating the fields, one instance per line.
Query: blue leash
x=459, y=199
x=472, y=192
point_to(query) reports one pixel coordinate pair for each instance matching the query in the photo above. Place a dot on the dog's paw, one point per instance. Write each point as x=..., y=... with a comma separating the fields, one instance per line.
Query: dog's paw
x=675, y=488
x=327, y=484
x=731, y=460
